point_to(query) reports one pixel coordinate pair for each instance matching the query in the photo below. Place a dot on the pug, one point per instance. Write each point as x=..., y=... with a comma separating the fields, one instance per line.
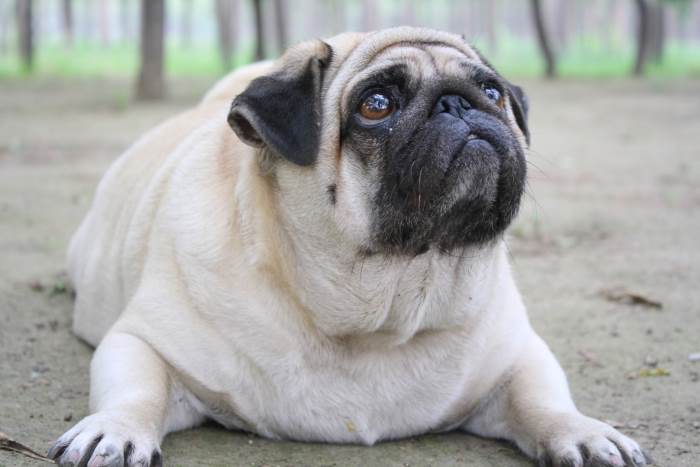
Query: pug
x=323, y=260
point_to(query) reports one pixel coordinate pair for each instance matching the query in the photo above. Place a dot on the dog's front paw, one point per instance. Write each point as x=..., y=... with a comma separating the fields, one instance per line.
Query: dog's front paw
x=107, y=439
x=574, y=440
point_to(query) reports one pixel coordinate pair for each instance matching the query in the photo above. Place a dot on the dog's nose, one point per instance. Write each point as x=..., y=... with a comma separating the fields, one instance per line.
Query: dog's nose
x=452, y=104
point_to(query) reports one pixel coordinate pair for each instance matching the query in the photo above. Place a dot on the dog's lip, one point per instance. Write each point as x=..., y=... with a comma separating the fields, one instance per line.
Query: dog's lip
x=470, y=139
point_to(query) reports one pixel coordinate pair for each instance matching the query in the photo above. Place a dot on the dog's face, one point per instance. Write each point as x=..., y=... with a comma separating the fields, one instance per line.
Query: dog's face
x=407, y=137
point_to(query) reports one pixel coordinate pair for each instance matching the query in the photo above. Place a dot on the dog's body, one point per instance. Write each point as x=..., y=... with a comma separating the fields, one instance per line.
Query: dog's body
x=222, y=282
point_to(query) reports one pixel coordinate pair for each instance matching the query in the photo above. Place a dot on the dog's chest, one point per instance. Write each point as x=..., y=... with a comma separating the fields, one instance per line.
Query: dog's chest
x=287, y=375
x=359, y=398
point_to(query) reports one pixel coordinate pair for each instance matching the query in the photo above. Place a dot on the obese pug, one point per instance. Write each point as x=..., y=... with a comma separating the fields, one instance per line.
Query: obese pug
x=323, y=260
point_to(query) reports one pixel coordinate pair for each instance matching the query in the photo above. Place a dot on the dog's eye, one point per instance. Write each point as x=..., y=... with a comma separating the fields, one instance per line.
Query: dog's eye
x=377, y=106
x=494, y=95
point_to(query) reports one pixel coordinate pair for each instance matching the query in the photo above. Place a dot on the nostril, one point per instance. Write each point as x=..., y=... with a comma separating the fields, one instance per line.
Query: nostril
x=452, y=104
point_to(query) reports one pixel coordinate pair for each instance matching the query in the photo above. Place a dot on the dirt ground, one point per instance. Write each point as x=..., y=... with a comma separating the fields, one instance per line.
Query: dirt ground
x=613, y=209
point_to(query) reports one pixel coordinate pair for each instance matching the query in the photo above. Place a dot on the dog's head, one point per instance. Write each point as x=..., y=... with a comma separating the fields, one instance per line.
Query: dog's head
x=405, y=139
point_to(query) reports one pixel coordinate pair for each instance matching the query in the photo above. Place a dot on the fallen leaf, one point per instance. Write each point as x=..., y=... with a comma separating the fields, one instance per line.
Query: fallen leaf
x=9, y=444
x=649, y=373
x=620, y=295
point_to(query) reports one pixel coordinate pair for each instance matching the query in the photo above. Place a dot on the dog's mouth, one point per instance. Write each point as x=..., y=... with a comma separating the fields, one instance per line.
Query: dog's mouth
x=457, y=181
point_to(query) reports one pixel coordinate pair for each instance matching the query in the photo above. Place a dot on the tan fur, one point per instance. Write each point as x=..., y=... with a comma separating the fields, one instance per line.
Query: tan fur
x=216, y=289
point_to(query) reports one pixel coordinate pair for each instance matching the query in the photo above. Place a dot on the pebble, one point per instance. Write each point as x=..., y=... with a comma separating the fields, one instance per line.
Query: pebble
x=694, y=357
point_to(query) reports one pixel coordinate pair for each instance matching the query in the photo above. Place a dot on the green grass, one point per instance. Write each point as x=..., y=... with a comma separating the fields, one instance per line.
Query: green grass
x=590, y=58
x=119, y=60
x=585, y=58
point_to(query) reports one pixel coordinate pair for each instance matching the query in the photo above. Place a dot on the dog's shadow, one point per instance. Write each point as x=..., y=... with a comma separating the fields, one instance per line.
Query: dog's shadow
x=212, y=445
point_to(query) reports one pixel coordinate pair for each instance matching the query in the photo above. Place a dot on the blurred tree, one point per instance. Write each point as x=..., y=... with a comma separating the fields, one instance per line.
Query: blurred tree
x=25, y=32
x=67, y=14
x=461, y=19
x=186, y=22
x=88, y=20
x=104, y=18
x=607, y=23
x=281, y=24
x=657, y=31
x=578, y=15
x=337, y=15
x=683, y=12
x=543, y=39
x=489, y=13
x=151, y=83
x=643, y=33
x=127, y=31
x=370, y=19
x=226, y=12
x=561, y=25
x=682, y=5
x=4, y=26
x=408, y=13
x=259, y=30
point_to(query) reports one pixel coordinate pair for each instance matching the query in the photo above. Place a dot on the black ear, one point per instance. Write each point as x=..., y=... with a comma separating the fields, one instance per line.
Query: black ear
x=283, y=110
x=520, y=106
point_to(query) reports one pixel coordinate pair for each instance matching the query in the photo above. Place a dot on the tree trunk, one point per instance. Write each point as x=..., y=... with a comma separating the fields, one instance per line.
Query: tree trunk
x=186, y=22
x=259, y=30
x=682, y=24
x=67, y=11
x=281, y=24
x=225, y=15
x=4, y=26
x=657, y=36
x=25, y=31
x=151, y=84
x=643, y=32
x=543, y=39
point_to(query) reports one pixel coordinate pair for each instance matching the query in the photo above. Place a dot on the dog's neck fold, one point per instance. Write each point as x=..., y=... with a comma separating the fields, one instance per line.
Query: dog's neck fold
x=379, y=298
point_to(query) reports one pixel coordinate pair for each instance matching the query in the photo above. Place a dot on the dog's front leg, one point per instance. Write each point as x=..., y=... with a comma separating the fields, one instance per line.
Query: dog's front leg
x=534, y=409
x=134, y=403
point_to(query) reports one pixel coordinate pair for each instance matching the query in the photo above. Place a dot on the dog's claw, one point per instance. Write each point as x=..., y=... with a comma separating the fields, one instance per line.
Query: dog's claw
x=585, y=442
x=106, y=440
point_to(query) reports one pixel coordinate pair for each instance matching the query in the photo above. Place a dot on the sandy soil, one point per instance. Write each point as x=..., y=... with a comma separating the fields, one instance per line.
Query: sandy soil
x=613, y=204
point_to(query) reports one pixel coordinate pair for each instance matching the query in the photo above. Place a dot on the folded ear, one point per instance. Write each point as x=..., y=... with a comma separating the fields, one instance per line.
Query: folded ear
x=282, y=111
x=520, y=106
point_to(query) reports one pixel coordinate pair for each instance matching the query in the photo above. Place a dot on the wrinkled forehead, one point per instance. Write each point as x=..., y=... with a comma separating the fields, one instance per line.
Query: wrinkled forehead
x=420, y=62
x=424, y=53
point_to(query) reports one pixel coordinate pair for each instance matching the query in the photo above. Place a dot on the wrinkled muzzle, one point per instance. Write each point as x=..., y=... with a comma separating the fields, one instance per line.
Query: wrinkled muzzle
x=457, y=181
